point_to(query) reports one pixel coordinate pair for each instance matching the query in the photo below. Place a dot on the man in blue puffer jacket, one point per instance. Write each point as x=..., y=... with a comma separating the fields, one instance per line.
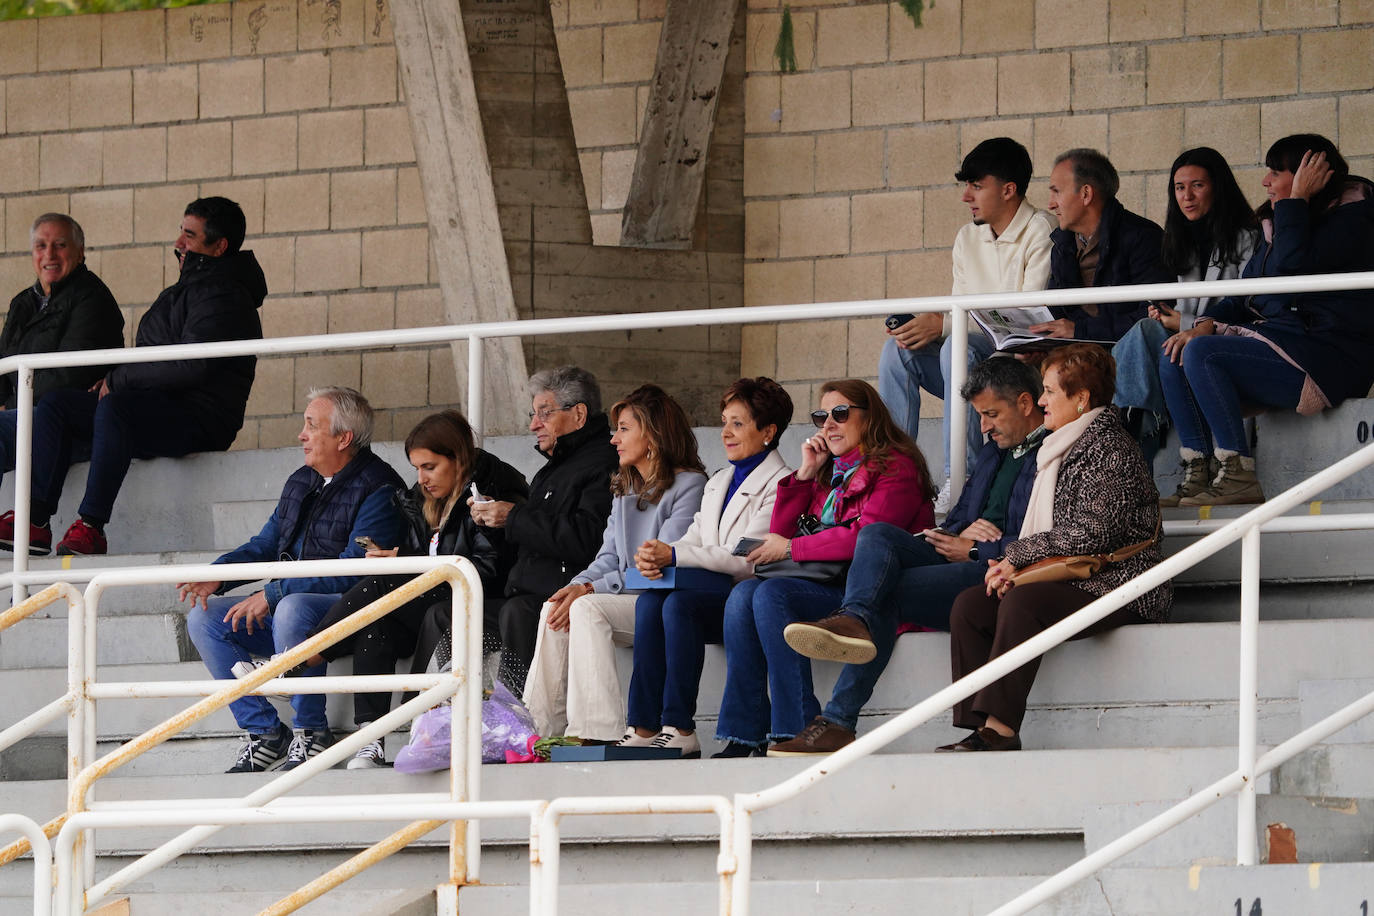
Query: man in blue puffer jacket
x=343, y=492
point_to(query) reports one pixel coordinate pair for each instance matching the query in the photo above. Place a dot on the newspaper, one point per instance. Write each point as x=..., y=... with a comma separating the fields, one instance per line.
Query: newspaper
x=1009, y=329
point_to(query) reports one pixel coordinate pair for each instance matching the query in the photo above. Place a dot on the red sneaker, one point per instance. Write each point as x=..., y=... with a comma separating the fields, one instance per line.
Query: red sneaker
x=81, y=540
x=40, y=538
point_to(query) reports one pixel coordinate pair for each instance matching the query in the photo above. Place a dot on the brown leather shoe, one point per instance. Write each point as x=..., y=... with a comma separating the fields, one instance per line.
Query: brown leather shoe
x=983, y=739
x=820, y=737
x=840, y=637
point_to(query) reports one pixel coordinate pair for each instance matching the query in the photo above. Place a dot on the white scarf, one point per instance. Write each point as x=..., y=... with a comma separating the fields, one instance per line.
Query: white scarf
x=1040, y=509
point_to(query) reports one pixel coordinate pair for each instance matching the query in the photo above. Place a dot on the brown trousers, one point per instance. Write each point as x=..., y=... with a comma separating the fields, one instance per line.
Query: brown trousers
x=982, y=628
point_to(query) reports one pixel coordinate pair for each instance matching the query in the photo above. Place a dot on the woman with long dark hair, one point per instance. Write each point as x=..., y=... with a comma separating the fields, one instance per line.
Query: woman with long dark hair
x=1210, y=231
x=1303, y=351
x=573, y=687
x=859, y=468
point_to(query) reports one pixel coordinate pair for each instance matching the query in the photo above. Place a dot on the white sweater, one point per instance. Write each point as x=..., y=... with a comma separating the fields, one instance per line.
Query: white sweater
x=1016, y=260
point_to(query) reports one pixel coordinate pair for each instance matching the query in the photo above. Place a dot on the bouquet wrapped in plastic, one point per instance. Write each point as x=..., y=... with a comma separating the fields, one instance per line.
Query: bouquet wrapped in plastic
x=506, y=725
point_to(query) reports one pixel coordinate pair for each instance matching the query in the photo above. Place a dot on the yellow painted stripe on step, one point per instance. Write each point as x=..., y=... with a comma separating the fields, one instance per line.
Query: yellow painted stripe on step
x=1194, y=877
x=1314, y=879
x=66, y=562
x=1314, y=507
x=1204, y=512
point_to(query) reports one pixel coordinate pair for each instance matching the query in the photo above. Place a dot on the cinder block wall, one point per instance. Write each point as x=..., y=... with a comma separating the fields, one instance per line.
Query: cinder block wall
x=294, y=108
x=849, y=163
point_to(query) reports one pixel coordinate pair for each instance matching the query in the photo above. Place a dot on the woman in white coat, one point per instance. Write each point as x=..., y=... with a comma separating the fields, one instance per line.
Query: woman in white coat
x=673, y=626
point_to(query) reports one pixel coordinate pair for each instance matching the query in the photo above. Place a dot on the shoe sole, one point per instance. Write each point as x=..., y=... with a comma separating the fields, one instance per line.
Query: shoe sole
x=369, y=765
x=813, y=642
x=1248, y=500
x=773, y=753
x=63, y=551
x=33, y=551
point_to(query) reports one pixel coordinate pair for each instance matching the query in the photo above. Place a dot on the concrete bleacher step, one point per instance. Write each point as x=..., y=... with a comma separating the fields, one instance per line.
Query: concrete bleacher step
x=1032, y=794
x=1280, y=889
x=125, y=640
x=118, y=601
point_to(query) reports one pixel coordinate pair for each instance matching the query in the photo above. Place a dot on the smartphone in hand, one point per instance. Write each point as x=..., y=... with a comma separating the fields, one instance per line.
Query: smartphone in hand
x=893, y=322
x=366, y=543
x=746, y=546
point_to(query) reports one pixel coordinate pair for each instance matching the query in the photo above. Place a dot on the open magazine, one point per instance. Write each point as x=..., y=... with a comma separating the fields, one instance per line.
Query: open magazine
x=1009, y=329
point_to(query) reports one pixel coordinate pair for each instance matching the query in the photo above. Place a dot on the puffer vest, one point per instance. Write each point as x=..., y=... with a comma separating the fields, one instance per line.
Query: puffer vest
x=327, y=512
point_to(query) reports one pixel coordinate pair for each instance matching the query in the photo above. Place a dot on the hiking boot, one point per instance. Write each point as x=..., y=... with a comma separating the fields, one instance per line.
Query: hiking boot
x=371, y=756
x=261, y=753
x=307, y=743
x=820, y=737
x=672, y=738
x=40, y=536
x=82, y=540
x=1235, y=485
x=841, y=637
x=1197, y=474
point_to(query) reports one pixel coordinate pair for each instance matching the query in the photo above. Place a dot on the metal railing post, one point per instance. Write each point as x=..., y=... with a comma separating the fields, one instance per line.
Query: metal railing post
x=42, y=858
x=475, y=355
x=1248, y=703
x=23, y=476
x=954, y=401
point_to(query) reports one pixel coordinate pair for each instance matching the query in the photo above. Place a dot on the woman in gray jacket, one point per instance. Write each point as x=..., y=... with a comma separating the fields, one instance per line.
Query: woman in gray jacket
x=572, y=687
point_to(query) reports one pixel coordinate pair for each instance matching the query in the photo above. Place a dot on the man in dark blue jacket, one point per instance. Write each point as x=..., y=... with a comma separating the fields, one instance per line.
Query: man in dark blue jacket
x=1098, y=243
x=343, y=492
x=145, y=410
x=897, y=578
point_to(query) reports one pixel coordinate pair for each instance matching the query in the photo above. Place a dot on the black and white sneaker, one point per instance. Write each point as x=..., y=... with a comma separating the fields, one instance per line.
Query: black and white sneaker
x=371, y=756
x=241, y=670
x=307, y=743
x=261, y=753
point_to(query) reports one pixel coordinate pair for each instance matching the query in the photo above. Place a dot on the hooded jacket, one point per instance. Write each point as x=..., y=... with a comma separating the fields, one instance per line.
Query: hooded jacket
x=213, y=299
x=81, y=314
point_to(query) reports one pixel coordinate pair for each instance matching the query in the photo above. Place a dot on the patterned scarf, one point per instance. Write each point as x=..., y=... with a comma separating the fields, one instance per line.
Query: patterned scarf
x=841, y=469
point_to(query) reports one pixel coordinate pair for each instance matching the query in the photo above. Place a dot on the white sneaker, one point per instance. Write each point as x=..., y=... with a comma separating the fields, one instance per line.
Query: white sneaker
x=671, y=737
x=371, y=756
x=634, y=739
x=942, y=499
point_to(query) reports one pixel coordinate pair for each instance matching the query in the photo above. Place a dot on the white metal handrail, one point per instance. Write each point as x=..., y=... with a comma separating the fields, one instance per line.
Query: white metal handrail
x=475, y=333
x=1247, y=527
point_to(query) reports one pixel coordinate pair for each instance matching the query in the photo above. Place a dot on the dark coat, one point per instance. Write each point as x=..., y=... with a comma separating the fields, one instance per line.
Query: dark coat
x=558, y=532
x=969, y=508
x=1129, y=252
x=485, y=547
x=81, y=315
x=1329, y=334
x=1105, y=499
x=213, y=299
x=321, y=517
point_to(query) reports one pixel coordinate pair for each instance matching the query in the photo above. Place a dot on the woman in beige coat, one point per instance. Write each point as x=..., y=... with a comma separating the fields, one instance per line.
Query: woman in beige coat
x=673, y=625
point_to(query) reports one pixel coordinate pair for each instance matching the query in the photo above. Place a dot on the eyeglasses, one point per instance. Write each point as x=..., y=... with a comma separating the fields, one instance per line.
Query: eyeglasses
x=840, y=412
x=547, y=412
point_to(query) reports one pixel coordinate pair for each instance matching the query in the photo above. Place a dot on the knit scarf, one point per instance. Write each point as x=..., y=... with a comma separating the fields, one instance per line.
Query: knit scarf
x=1040, y=509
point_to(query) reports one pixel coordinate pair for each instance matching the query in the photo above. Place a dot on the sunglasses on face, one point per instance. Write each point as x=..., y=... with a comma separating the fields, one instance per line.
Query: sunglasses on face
x=840, y=413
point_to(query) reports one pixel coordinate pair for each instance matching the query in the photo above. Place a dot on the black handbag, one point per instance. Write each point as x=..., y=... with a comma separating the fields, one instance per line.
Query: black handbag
x=824, y=572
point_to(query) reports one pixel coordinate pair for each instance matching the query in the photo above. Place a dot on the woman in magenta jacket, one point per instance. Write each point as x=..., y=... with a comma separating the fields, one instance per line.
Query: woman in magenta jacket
x=858, y=469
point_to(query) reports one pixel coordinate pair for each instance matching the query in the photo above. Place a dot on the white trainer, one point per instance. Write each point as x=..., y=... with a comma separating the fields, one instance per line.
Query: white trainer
x=634, y=739
x=671, y=737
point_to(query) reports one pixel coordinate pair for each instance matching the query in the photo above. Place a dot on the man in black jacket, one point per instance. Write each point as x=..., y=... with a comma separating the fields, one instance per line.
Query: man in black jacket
x=1098, y=243
x=558, y=531
x=67, y=308
x=145, y=410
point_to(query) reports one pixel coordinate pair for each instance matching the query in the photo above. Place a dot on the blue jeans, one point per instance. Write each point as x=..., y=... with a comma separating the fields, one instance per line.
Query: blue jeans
x=1219, y=375
x=672, y=628
x=122, y=426
x=759, y=665
x=903, y=373
x=895, y=578
x=293, y=621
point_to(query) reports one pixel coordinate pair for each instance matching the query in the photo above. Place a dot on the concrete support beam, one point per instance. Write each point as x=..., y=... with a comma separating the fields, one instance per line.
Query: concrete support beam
x=665, y=191
x=451, y=152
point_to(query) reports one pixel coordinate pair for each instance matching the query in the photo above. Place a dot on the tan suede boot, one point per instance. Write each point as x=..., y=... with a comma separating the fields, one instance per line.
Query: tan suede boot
x=1197, y=474
x=1236, y=484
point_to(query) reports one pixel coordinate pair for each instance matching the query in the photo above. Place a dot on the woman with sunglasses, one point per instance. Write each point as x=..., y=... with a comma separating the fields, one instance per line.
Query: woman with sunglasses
x=573, y=687
x=858, y=469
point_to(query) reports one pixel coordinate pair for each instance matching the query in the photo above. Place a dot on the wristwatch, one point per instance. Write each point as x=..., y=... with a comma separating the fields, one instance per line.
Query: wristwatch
x=973, y=552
